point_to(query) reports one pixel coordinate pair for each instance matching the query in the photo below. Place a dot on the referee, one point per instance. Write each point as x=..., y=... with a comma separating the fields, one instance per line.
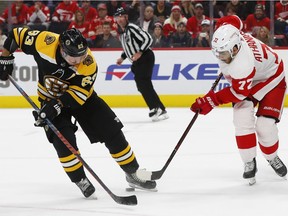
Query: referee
x=136, y=45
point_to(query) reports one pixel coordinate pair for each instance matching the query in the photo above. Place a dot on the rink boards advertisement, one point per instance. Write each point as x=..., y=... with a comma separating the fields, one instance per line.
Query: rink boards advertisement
x=179, y=76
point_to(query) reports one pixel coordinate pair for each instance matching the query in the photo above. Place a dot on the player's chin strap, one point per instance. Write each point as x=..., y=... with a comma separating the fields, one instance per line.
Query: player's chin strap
x=128, y=200
x=158, y=174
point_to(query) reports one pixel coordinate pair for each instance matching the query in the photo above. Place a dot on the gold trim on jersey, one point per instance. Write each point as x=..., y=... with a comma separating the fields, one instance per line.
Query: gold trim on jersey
x=19, y=35
x=43, y=93
x=47, y=50
x=88, y=66
x=75, y=97
x=82, y=93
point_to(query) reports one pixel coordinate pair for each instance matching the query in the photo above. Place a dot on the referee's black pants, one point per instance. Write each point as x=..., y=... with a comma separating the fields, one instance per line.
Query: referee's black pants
x=143, y=69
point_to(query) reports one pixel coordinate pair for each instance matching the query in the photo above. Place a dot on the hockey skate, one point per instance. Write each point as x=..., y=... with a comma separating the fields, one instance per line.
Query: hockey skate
x=86, y=187
x=157, y=114
x=278, y=166
x=250, y=169
x=135, y=181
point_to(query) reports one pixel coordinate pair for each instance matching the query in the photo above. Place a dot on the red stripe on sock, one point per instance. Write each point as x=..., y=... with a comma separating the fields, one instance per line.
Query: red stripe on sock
x=270, y=149
x=246, y=141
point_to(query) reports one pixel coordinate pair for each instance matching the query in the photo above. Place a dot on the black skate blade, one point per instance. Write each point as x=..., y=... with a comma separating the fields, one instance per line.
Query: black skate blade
x=132, y=186
x=127, y=200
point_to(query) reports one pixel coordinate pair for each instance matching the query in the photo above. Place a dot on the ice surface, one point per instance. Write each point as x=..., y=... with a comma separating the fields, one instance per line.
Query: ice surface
x=203, y=179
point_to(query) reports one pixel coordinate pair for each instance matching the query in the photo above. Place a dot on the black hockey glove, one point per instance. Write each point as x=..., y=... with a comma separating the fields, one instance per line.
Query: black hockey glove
x=50, y=110
x=6, y=66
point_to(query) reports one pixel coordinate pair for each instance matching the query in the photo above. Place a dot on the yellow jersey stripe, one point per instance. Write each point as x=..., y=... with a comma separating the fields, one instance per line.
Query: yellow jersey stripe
x=77, y=88
x=76, y=98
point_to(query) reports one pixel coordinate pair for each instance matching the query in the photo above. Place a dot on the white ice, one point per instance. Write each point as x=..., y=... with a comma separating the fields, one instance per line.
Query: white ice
x=203, y=179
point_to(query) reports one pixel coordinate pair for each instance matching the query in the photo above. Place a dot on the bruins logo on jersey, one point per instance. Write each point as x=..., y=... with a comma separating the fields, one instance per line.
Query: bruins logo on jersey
x=88, y=60
x=49, y=39
x=55, y=86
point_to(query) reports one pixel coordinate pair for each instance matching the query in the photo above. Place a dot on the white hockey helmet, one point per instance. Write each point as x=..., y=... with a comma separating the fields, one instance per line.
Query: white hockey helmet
x=225, y=38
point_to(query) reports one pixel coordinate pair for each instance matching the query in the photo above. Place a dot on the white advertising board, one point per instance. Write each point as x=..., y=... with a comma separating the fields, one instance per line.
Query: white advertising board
x=176, y=72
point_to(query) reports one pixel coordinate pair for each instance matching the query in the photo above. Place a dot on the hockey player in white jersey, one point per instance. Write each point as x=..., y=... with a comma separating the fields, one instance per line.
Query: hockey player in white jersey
x=256, y=74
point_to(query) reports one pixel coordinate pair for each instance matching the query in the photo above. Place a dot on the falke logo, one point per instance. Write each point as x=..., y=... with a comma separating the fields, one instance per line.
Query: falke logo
x=176, y=72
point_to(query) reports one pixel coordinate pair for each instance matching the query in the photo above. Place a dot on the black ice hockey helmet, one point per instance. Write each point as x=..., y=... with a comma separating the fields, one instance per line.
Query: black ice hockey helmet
x=73, y=43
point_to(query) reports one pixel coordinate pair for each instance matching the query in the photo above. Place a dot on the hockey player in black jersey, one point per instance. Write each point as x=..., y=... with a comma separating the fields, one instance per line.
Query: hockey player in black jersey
x=67, y=71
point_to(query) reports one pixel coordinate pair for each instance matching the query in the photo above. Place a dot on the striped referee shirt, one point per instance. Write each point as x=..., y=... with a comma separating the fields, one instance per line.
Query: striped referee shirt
x=134, y=39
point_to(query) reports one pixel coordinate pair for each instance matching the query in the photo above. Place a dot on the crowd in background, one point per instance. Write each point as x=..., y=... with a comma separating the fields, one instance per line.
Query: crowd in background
x=179, y=23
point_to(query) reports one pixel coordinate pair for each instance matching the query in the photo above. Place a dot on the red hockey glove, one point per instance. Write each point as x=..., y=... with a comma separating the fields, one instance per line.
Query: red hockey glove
x=205, y=104
x=6, y=66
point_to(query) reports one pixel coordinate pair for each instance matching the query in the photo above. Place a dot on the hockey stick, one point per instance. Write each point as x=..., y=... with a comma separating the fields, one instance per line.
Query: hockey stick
x=158, y=174
x=129, y=200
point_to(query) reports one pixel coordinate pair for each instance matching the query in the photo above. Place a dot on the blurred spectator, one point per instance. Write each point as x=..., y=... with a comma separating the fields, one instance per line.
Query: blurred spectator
x=170, y=24
x=254, y=21
x=63, y=15
x=80, y=23
x=162, y=10
x=19, y=15
x=238, y=7
x=51, y=5
x=218, y=9
x=194, y=23
x=149, y=19
x=263, y=34
x=96, y=26
x=250, y=6
x=2, y=39
x=187, y=8
x=181, y=38
x=230, y=11
x=159, y=40
x=203, y=37
x=89, y=12
x=65, y=11
x=39, y=16
x=107, y=40
x=112, y=6
x=281, y=17
x=134, y=11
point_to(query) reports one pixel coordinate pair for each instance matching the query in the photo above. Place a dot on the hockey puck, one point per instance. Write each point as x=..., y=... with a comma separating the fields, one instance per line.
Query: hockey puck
x=130, y=189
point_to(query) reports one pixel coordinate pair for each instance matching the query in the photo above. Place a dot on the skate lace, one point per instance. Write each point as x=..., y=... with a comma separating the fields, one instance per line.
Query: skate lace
x=83, y=184
x=136, y=178
x=276, y=163
x=249, y=166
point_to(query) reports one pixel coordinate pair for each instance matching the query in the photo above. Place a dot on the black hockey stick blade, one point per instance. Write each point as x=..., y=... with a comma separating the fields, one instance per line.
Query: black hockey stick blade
x=129, y=200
